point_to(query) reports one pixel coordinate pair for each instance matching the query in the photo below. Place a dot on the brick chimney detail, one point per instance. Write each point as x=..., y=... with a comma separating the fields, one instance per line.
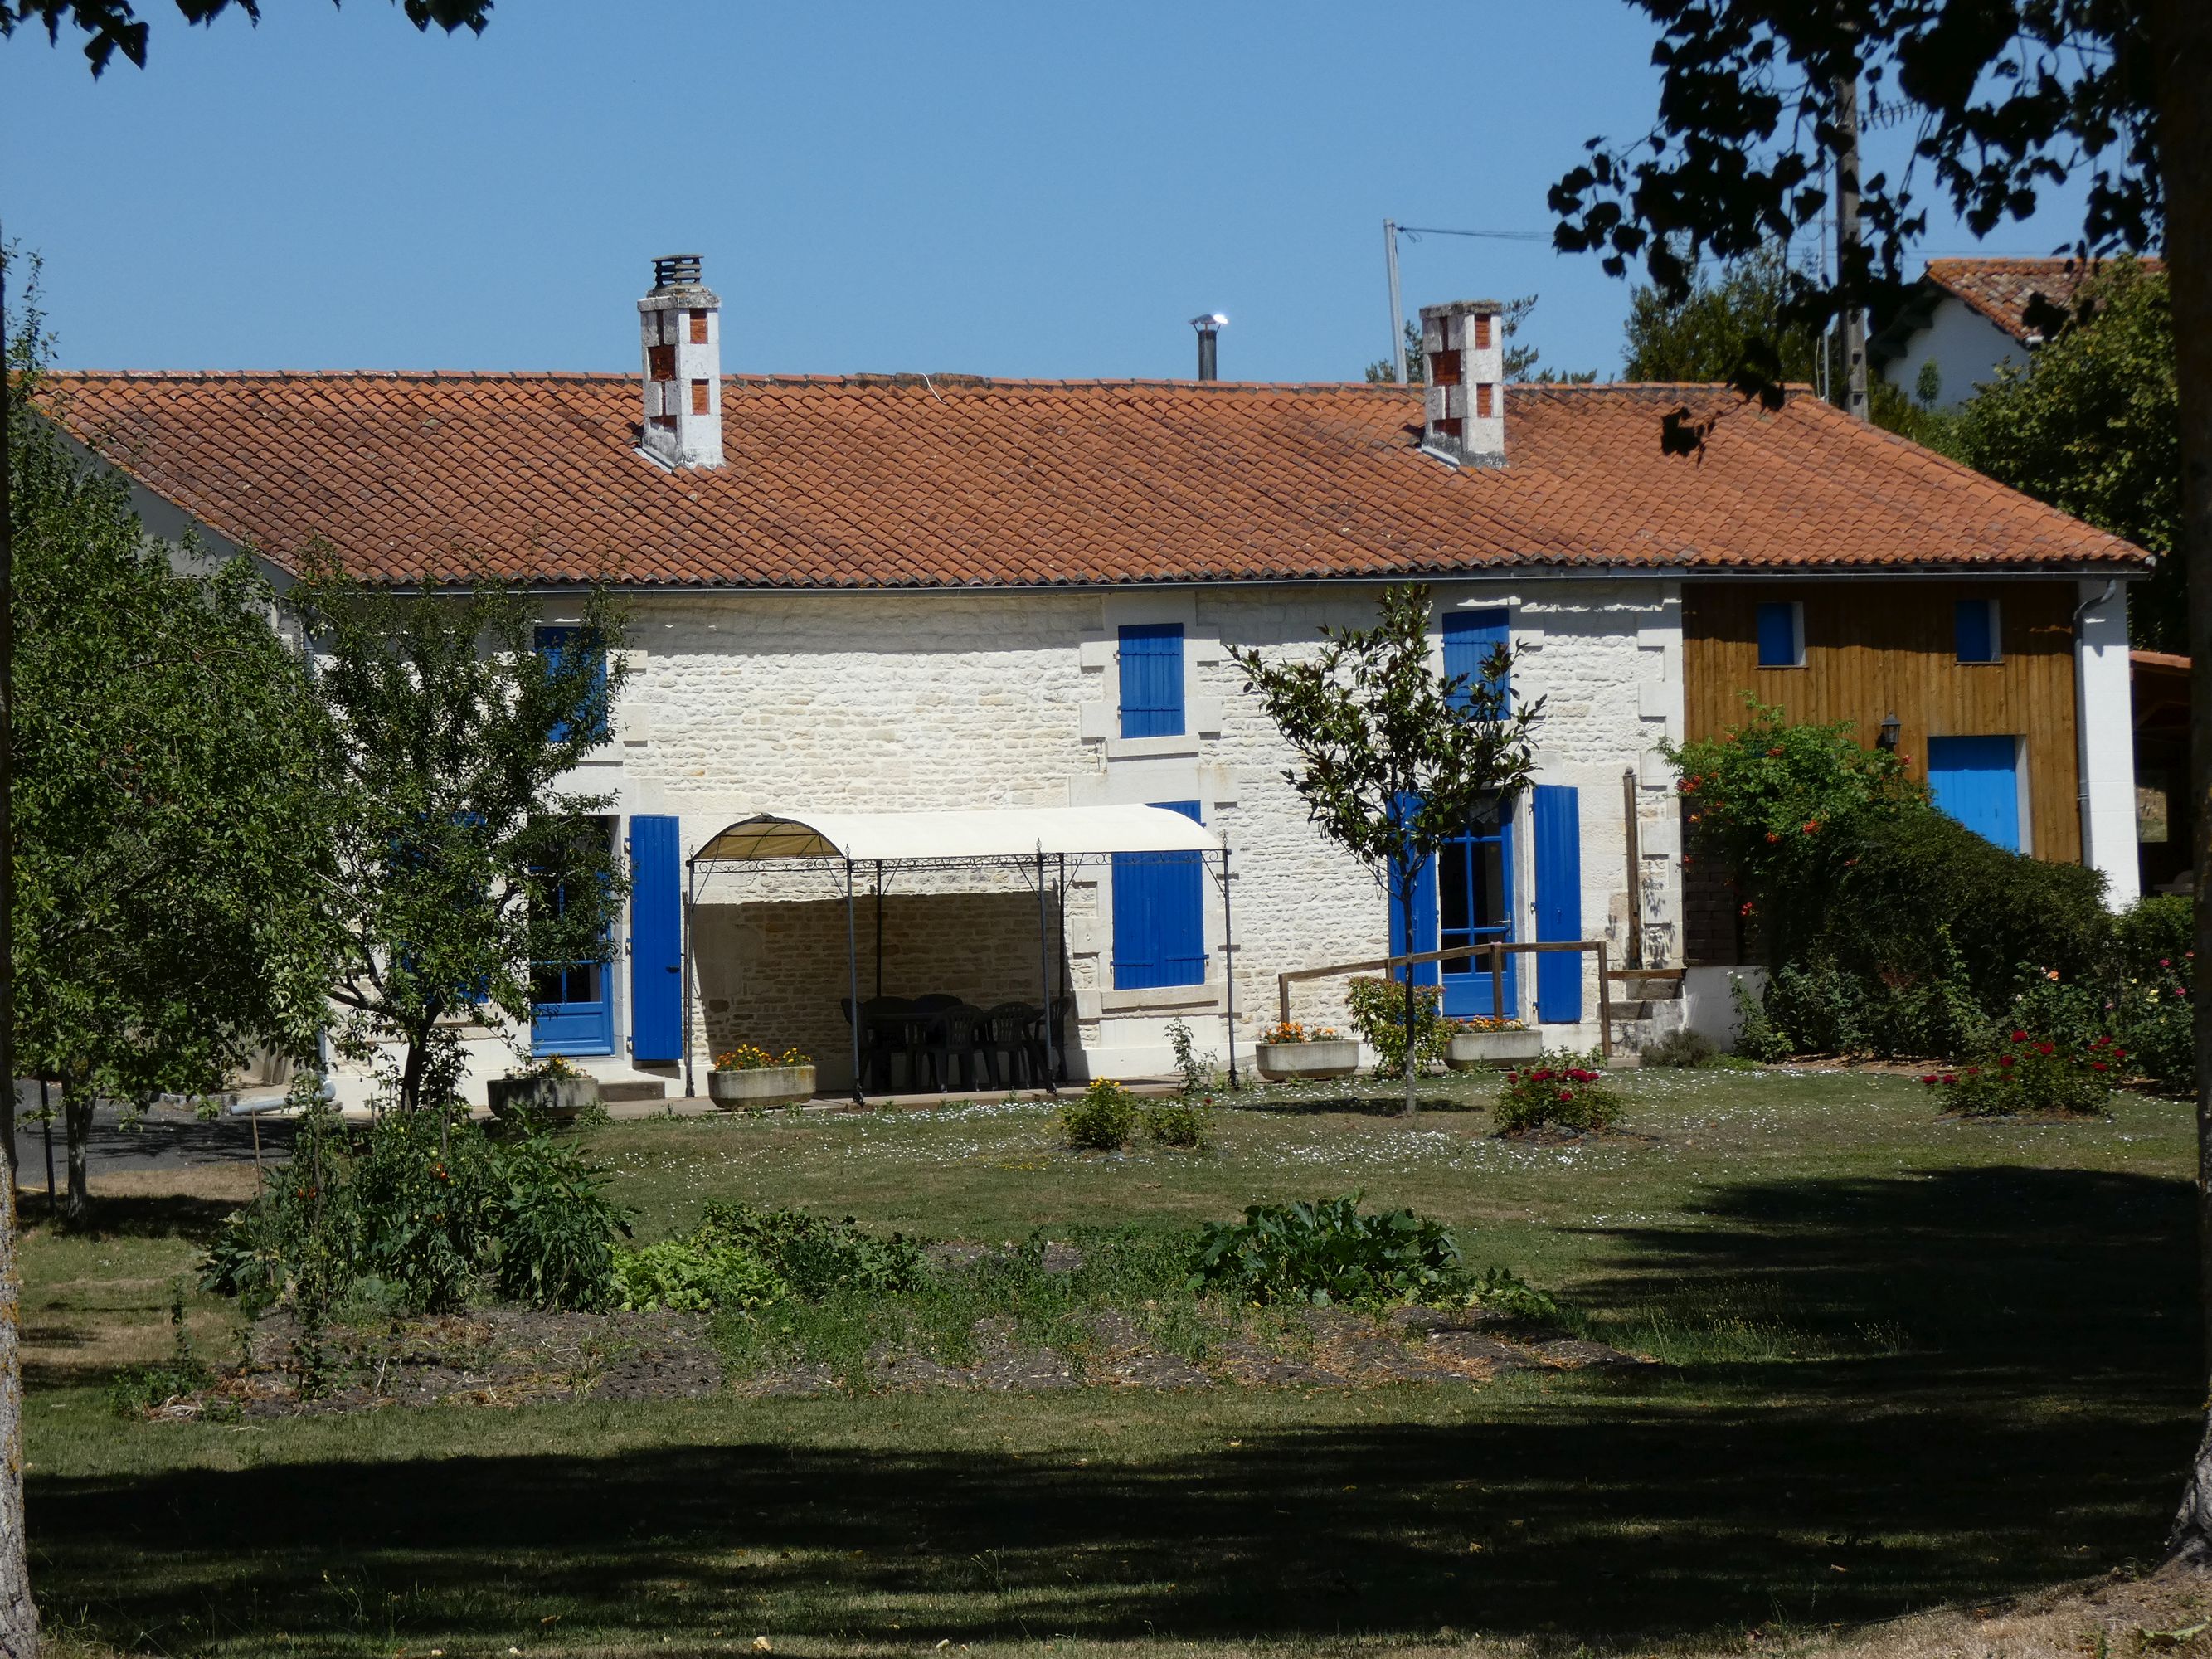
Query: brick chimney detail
x=681, y=324
x=1464, y=344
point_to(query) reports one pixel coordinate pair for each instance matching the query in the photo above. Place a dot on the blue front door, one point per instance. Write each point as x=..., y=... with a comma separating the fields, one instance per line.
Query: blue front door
x=1474, y=905
x=574, y=1001
x=1977, y=782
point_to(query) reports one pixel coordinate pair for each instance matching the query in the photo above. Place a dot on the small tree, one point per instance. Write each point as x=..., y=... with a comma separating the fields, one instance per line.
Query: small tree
x=169, y=857
x=1395, y=759
x=460, y=862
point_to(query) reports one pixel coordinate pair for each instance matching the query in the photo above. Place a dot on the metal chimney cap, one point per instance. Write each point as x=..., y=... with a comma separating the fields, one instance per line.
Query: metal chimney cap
x=1209, y=322
x=673, y=268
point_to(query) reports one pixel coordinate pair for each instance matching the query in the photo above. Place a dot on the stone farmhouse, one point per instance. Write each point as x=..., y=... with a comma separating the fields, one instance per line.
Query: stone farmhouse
x=917, y=593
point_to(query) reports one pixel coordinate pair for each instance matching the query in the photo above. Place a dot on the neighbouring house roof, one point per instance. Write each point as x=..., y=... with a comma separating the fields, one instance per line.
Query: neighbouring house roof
x=908, y=482
x=1999, y=291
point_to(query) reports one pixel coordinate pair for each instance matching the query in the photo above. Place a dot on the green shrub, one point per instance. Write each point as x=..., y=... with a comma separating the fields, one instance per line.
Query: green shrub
x=550, y=1227
x=1177, y=1123
x=1757, y=1038
x=2149, y=984
x=1560, y=1090
x=1682, y=1047
x=1503, y=1288
x=2031, y=1074
x=693, y=1276
x=1378, y=1013
x=388, y=1215
x=1103, y=1118
x=814, y=1255
x=1326, y=1251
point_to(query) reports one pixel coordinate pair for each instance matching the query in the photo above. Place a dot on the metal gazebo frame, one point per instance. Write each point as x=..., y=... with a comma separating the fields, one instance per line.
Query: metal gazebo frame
x=1034, y=866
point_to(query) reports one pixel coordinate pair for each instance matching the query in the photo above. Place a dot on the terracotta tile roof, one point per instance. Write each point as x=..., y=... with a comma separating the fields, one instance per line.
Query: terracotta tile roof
x=903, y=482
x=2001, y=289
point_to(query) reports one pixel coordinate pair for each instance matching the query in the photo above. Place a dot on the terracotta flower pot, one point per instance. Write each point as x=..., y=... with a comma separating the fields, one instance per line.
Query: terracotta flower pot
x=1471, y=1051
x=1290, y=1062
x=553, y=1099
x=764, y=1086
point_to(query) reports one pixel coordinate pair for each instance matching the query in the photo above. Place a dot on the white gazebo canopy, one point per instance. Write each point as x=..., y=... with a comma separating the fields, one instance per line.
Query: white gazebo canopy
x=981, y=834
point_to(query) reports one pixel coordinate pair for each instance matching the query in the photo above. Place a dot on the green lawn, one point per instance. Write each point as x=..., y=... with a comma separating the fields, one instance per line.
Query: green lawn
x=1913, y=1361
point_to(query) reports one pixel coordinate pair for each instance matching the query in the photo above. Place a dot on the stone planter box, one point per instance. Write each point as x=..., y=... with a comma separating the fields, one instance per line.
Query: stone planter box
x=551, y=1099
x=769, y=1085
x=1472, y=1051
x=1291, y=1062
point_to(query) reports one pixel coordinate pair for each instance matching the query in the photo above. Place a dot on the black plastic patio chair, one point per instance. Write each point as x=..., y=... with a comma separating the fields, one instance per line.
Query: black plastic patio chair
x=1016, y=1030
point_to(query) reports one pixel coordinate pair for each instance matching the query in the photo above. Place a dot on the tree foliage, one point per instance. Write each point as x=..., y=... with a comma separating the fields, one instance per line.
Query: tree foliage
x=2011, y=97
x=461, y=860
x=169, y=849
x=112, y=26
x=1395, y=759
x=2093, y=426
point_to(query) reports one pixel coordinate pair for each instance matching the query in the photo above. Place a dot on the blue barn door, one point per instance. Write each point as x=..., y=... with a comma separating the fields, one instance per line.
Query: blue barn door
x=1159, y=914
x=574, y=1002
x=1977, y=782
x=1555, y=824
x=656, y=939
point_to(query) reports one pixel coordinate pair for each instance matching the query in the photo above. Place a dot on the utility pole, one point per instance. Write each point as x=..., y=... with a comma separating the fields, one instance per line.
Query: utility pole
x=1397, y=311
x=1852, y=323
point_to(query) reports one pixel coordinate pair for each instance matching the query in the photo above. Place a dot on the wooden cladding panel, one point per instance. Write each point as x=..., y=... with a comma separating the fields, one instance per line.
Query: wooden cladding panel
x=1873, y=648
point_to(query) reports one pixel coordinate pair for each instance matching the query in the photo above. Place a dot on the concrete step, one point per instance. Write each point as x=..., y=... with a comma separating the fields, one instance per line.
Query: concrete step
x=632, y=1088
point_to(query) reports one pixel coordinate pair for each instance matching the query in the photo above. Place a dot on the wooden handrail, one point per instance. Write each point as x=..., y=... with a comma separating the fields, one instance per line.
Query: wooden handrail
x=1497, y=950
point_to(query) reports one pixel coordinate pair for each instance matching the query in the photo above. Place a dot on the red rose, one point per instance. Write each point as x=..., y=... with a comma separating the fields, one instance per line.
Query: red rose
x=1931, y=1078
x=2004, y=1060
x=2020, y=1037
x=1565, y=1094
x=2043, y=1048
x=1949, y=1077
x=2098, y=1066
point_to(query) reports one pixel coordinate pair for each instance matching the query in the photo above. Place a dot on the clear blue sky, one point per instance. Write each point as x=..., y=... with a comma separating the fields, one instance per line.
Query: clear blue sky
x=1000, y=188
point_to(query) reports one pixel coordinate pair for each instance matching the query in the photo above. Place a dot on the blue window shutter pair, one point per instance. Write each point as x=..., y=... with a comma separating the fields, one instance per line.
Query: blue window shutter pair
x=656, y=939
x=1470, y=636
x=553, y=644
x=1781, y=644
x=1159, y=914
x=1975, y=629
x=1556, y=822
x=1151, y=683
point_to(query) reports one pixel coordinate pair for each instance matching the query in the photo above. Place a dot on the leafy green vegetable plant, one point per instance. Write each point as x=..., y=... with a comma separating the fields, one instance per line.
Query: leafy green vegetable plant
x=1326, y=1251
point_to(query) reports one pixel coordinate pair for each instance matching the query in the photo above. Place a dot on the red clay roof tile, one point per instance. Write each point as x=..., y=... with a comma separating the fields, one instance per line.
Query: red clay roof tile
x=2002, y=289
x=895, y=482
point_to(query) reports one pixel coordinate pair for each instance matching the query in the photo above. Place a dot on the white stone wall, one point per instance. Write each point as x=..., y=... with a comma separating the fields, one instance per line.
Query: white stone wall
x=1966, y=348
x=748, y=702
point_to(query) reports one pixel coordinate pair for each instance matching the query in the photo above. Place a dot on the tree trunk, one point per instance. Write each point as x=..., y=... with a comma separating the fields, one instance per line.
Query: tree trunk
x=2180, y=34
x=411, y=1073
x=1406, y=910
x=19, y=1615
x=78, y=1099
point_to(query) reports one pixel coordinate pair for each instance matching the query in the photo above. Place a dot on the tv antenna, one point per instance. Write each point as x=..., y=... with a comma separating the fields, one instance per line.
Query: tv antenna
x=1392, y=230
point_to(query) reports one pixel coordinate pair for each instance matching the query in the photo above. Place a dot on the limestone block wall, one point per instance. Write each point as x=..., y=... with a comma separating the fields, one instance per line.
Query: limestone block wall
x=745, y=703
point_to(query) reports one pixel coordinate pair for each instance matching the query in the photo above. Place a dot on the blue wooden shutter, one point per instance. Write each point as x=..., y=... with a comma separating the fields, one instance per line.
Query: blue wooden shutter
x=553, y=644
x=1778, y=634
x=1424, y=878
x=656, y=939
x=1556, y=818
x=1159, y=915
x=1152, y=680
x=1469, y=638
x=1977, y=782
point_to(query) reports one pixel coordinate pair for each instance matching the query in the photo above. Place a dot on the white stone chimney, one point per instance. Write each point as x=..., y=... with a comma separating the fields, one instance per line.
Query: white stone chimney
x=1464, y=346
x=681, y=321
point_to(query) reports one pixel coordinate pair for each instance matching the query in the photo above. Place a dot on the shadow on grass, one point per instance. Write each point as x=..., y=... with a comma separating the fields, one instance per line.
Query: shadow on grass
x=1362, y=1101
x=1995, y=1390
x=167, y=1215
